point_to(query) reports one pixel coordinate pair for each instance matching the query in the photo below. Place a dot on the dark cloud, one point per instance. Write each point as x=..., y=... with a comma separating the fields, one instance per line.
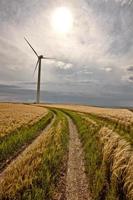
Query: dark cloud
x=130, y=69
x=131, y=78
x=8, y=87
x=28, y=95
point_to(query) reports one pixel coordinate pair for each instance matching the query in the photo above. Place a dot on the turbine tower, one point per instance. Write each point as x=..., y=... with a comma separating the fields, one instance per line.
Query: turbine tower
x=38, y=64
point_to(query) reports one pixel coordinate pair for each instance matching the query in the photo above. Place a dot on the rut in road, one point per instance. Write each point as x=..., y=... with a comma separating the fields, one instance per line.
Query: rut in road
x=14, y=154
x=77, y=185
x=22, y=151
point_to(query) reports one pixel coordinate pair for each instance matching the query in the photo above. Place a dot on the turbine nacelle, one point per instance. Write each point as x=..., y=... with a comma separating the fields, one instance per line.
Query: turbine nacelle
x=41, y=57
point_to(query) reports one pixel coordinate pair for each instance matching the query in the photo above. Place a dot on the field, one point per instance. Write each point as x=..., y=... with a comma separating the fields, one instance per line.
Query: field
x=65, y=152
x=13, y=116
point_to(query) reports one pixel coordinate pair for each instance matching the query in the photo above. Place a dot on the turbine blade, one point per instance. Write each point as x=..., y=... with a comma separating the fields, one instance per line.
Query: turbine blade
x=36, y=66
x=49, y=58
x=31, y=47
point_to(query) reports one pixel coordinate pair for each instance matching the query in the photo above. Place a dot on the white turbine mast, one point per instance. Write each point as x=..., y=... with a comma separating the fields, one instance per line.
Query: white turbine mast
x=38, y=64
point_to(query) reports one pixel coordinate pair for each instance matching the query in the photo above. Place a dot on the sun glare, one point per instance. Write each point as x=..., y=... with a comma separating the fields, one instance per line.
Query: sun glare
x=62, y=20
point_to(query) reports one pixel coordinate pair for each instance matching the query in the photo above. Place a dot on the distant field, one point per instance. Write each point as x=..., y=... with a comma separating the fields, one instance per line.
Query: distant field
x=45, y=147
x=122, y=114
x=13, y=116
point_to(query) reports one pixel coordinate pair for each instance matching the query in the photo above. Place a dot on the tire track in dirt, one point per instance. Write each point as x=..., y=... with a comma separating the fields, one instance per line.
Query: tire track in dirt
x=76, y=181
x=18, y=154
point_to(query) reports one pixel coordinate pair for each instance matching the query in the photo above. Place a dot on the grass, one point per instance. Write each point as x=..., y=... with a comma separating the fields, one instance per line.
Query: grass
x=23, y=136
x=117, y=160
x=34, y=175
x=93, y=152
x=107, y=150
x=108, y=160
x=125, y=130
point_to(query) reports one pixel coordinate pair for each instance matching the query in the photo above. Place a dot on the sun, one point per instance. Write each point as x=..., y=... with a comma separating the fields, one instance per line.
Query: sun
x=62, y=20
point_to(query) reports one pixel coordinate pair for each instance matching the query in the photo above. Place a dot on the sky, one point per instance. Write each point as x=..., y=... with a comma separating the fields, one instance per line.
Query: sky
x=94, y=60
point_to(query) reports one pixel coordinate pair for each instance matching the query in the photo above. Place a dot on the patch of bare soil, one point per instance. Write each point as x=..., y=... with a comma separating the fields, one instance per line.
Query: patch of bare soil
x=76, y=181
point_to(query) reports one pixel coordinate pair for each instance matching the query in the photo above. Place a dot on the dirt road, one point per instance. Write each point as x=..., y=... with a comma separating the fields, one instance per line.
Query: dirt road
x=77, y=184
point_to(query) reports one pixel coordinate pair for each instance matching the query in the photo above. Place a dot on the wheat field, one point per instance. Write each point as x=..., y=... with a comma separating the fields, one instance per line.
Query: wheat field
x=34, y=153
x=13, y=116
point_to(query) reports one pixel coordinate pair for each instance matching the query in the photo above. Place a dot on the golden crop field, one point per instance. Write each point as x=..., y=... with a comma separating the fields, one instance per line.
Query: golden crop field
x=124, y=115
x=38, y=163
x=13, y=116
x=45, y=160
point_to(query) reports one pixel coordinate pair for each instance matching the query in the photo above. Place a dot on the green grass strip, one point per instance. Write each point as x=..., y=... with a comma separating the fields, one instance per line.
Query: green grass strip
x=96, y=172
x=125, y=131
x=92, y=150
x=23, y=136
x=47, y=175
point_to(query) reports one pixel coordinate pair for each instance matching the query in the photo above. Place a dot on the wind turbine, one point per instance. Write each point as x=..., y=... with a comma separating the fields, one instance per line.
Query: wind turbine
x=38, y=64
